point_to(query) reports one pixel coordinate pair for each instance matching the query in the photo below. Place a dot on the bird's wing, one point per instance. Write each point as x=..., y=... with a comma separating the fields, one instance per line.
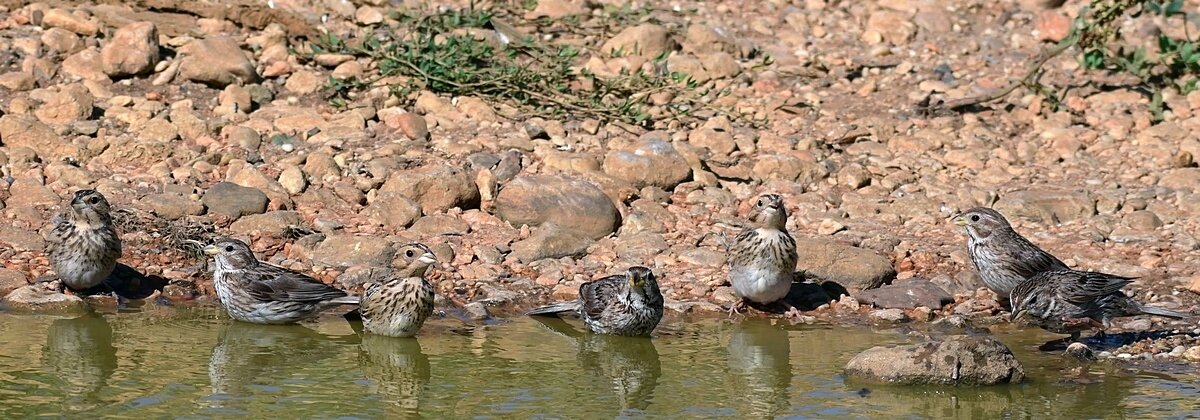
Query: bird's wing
x=268, y=282
x=743, y=236
x=597, y=296
x=1030, y=260
x=61, y=228
x=1086, y=286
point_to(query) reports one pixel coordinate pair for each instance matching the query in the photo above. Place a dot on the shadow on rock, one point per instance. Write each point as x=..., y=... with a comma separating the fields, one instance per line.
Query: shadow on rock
x=805, y=297
x=1108, y=342
x=130, y=283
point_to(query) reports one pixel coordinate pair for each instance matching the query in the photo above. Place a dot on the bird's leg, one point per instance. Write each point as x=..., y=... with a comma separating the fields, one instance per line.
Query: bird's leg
x=736, y=308
x=792, y=312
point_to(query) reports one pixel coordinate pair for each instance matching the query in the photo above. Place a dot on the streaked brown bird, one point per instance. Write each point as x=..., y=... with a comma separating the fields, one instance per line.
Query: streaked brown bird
x=1070, y=302
x=1001, y=256
x=83, y=246
x=398, y=306
x=628, y=304
x=762, y=258
x=261, y=293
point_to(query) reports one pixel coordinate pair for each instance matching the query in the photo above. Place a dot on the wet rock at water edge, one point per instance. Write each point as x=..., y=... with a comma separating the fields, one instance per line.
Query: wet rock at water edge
x=855, y=268
x=42, y=298
x=956, y=360
x=908, y=294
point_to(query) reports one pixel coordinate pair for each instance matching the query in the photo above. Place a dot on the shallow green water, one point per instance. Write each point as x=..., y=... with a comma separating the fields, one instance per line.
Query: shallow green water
x=196, y=364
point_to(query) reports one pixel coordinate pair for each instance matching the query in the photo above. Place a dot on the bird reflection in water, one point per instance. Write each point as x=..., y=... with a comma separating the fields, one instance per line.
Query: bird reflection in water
x=760, y=367
x=398, y=371
x=629, y=366
x=80, y=352
x=249, y=355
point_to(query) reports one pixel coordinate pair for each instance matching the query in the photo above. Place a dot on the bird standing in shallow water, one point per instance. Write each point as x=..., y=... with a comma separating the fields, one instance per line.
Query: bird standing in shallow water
x=763, y=257
x=627, y=304
x=1001, y=256
x=1070, y=302
x=261, y=293
x=399, y=305
x=83, y=245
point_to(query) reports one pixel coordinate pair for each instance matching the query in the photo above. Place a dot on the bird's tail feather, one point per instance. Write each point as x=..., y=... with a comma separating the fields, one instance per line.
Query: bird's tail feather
x=345, y=300
x=1150, y=310
x=555, y=309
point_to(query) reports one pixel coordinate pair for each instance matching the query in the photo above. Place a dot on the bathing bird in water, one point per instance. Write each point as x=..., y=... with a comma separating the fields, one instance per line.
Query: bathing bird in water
x=398, y=306
x=628, y=304
x=261, y=293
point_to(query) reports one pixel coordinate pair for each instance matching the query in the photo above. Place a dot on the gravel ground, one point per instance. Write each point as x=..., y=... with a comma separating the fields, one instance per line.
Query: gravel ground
x=198, y=121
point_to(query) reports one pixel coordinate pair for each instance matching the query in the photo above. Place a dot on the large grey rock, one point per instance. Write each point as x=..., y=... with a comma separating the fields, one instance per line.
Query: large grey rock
x=956, y=360
x=569, y=203
x=350, y=250
x=233, y=200
x=217, y=61
x=646, y=40
x=27, y=131
x=651, y=161
x=906, y=295
x=1183, y=179
x=172, y=206
x=435, y=187
x=132, y=50
x=393, y=210
x=1048, y=206
x=41, y=298
x=272, y=223
x=550, y=241
x=63, y=104
x=854, y=268
x=11, y=280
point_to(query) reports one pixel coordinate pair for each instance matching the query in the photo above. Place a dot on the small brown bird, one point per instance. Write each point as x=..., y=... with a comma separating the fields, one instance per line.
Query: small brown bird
x=1001, y=256
x=83, y=245
x=627, y=304
x=762, y=258
x=1070, y=302
x=401, y=304
x=261, y=293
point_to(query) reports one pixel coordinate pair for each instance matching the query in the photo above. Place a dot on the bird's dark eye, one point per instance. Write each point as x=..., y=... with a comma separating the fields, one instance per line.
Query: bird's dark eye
x=94, y=200
x=410, y=253
x=761, y=203
x=228, y=249
x=974, y=217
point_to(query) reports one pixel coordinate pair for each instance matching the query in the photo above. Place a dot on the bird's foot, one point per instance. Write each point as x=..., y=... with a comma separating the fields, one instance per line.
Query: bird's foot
x=736, y=308
x=792, y=312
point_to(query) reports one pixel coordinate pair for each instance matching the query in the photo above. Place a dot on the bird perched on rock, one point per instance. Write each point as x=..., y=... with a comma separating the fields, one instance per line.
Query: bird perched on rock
x=1070, y=302
x=1002, y=257
x=83, y=245
x=763, y=256
x=399, y=305
x=261, y=293
x=627, y=304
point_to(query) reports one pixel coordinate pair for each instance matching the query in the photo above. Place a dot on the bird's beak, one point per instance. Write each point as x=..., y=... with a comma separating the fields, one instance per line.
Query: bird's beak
x=1017, y=315
x=427, y=259
x=212, y=250
x=959, y=220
